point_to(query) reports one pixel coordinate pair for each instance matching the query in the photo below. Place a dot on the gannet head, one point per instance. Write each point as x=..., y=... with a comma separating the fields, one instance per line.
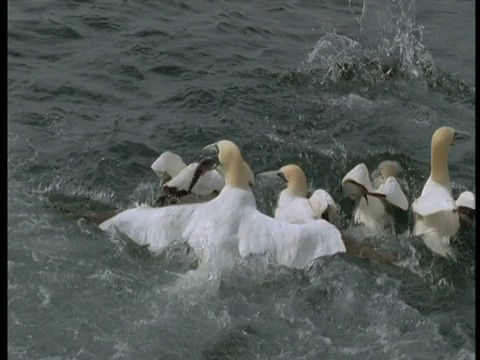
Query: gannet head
x=292, y=176
x=442, y=140
x=226, y=157
x=390, y=168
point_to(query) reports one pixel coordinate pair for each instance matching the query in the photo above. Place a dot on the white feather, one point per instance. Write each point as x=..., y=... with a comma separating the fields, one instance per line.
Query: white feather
x=466, y=199
x=168, y=163
x=321, y=202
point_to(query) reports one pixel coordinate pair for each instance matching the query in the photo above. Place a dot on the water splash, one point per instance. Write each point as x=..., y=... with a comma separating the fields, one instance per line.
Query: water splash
x=389, y=45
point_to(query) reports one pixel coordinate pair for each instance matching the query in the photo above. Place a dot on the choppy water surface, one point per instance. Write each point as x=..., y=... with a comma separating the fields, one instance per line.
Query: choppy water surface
x=98, y=89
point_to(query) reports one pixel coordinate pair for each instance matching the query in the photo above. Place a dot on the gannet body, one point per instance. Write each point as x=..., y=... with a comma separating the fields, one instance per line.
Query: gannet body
x=437, y=218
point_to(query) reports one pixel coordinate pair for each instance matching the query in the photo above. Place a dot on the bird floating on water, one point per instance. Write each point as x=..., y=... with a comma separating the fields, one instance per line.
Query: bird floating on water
x=294, y=205
x=375, y=201
x=437, y=218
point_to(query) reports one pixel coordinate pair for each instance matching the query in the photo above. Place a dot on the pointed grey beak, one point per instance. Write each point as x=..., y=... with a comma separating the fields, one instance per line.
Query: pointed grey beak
x=461, y=137
x=208, y=161
x=274, y=175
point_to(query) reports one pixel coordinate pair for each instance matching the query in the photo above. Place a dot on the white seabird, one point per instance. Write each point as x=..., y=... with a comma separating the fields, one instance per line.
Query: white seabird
x=176, y=176
x=296, y=207
x=437, y=218
x=293, y=204
x=374, y=204
x=230, y=223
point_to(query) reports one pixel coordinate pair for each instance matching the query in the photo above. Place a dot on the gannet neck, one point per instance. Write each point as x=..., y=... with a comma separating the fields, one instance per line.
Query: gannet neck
x=230, y=157
x=442, y=141
x=296, y=180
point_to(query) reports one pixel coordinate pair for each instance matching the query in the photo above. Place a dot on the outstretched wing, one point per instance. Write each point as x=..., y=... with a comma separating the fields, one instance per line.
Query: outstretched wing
x=292, y=245
x=157, y=227
x=323, y=205
x=168, y=163
x=434, y=199
x=356, y=182
x=466, y=199
x=208, y=183
x=393, y=193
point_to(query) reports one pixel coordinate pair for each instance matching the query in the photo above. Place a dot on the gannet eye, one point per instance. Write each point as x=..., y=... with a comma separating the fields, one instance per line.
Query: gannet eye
x=282, y=176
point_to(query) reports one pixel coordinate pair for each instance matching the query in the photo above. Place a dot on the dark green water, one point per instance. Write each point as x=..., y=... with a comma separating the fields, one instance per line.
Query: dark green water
x=97, y=90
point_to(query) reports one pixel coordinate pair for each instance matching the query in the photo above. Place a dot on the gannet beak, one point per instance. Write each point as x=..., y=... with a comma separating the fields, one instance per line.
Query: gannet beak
x=272, y=175
x=208, y=162
x=460, y=137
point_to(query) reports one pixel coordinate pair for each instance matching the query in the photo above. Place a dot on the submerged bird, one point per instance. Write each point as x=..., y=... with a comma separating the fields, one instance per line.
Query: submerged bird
x=375, y=202
x=437, y=218
x=175, y=177
x=295, y=206
x=230, y=224
x=466, y=207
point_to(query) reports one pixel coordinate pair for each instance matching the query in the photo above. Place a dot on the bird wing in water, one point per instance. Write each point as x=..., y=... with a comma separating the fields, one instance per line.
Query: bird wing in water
x=206, y=184
x=292, y=245
x=157, y=227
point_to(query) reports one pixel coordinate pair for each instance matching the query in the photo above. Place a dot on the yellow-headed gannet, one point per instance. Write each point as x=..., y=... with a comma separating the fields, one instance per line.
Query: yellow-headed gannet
x=437, y=218
x=374, y=203
x=295, y=207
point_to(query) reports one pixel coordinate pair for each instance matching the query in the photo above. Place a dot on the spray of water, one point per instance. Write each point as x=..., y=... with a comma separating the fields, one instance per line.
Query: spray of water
x=389, y=45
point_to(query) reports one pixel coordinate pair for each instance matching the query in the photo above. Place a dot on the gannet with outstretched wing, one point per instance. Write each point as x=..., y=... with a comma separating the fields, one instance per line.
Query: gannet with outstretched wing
x=230, y=223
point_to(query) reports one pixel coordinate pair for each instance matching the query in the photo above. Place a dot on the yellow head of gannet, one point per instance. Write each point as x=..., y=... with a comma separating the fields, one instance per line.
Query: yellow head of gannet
x=225, y=155
x=294, y=202
x=390, y=168
x=292, y=176
x=442, y=140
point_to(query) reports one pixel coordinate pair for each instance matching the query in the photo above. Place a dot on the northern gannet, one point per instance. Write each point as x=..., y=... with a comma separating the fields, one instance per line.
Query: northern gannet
x=295, y=206
x=437, y=218
x=229, y=224
x=175, y=177
x=374, y=204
